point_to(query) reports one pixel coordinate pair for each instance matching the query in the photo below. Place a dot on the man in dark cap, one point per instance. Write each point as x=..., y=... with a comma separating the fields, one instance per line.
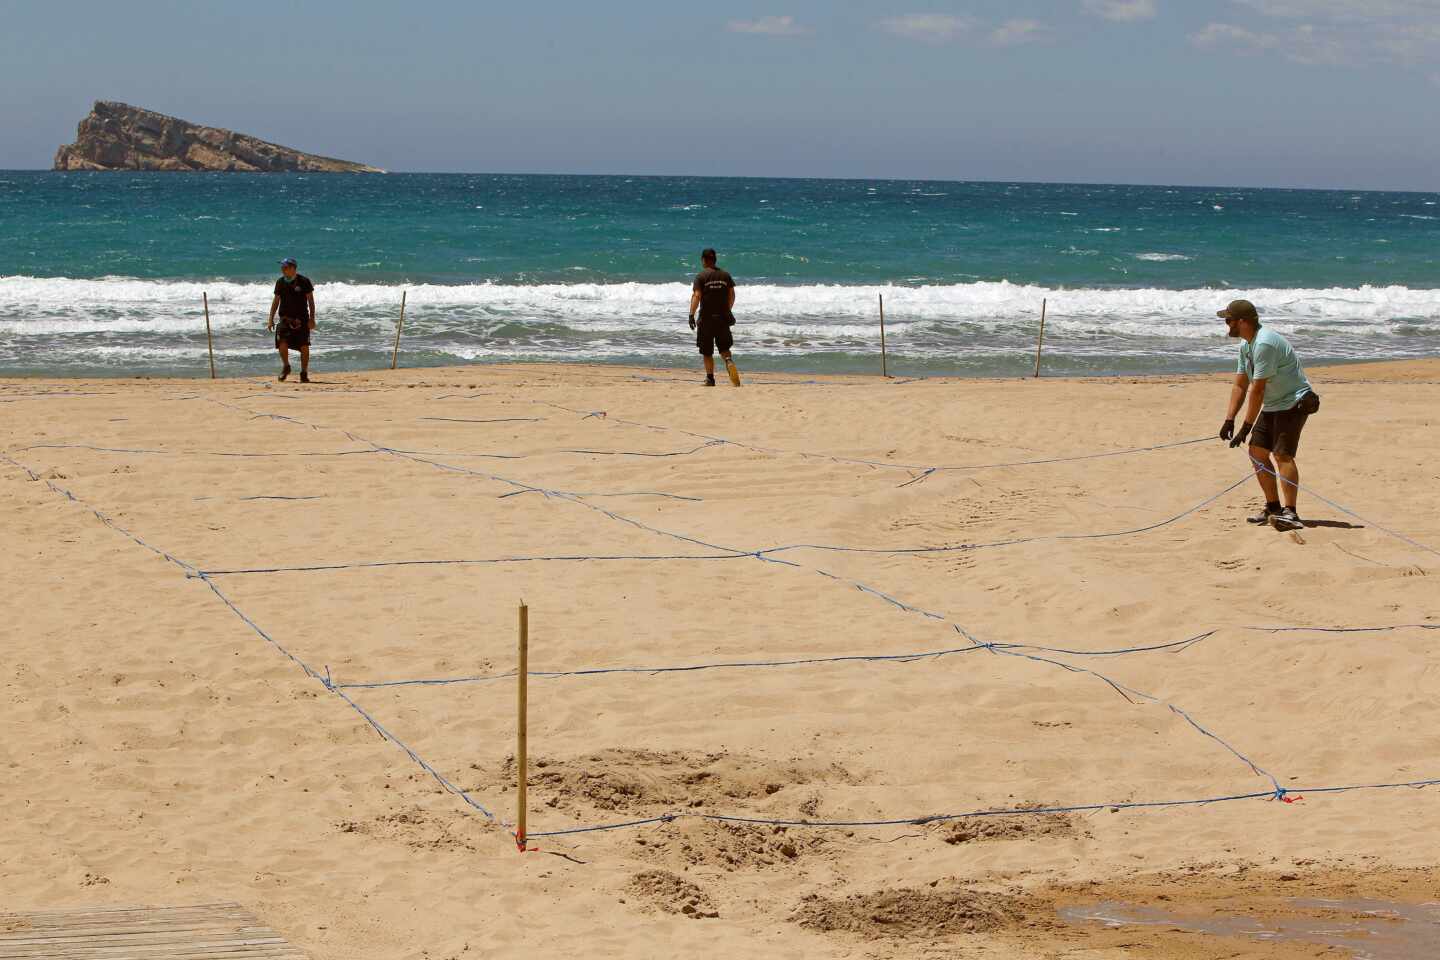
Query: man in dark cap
x=713, y=293
x=1279, y=402
x=295, y=301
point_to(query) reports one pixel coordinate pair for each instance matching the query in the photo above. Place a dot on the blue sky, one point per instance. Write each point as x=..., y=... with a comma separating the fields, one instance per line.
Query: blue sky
x=1326, y=93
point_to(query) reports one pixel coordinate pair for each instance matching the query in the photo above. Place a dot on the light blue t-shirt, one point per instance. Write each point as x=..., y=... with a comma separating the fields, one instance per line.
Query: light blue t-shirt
x=1270, y=358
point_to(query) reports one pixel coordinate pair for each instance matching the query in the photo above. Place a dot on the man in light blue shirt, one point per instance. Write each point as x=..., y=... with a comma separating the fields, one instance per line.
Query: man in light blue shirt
x=1280, y=400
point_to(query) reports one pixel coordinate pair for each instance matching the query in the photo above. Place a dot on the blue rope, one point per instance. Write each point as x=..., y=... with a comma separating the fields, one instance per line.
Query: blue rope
x=556, y=494
x=1175, y=646
x=321, y=568
x=103, y=518
x=1007, y=649
x=500, y=420
x=329, y=685
x=927, y=469
x=1345, y=510
x=47, y=394
x=282, y=419
x=900, y=551
x=1277, y=794
x=694, y=668
x=192, y=572
x=1016, y=541
x=444, y=453
x=245, y=499
x=637, y=493
x=1129, y=693
x=641, y=453
x=193, y=453
x=435, y=774
x=1398, y=626
x=899, y=604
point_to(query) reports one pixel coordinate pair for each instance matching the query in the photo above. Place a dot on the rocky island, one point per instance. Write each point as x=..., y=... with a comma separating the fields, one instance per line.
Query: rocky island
x=117, y=136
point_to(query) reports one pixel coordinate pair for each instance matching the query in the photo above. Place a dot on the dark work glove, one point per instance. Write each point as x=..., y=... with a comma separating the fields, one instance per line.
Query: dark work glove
x=1241, y=434
x=692, y=321
x=1227, y=429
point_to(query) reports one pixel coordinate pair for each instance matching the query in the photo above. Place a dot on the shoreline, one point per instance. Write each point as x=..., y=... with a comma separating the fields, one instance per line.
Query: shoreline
x=1407, y=370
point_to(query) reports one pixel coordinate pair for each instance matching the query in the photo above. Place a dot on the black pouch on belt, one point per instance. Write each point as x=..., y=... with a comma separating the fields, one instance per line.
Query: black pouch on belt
x=1310, y=403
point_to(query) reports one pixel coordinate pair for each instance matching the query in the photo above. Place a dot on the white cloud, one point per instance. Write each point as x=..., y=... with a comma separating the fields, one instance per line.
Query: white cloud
x=1312, y=46
x=1122, y=11
x=769, y=26
x=1340, y=32
x=1341, y=10
x=928, y=27
x=1305, y=44
x=1231, y=37
x=1012, y=33
x=1412, y=44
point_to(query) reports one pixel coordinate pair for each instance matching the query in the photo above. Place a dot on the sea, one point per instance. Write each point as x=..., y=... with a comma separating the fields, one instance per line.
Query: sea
x=108, y=273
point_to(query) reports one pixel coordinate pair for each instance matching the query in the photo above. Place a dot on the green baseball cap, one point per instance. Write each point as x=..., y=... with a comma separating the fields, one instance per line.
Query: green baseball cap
x=1240, y=310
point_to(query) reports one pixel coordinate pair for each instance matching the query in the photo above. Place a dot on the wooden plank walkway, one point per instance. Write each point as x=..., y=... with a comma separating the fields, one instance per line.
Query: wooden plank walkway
x=215, y=931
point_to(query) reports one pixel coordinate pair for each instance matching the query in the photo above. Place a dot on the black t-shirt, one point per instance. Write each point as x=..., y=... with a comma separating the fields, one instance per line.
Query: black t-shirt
x=292, y=296
x=715, y=285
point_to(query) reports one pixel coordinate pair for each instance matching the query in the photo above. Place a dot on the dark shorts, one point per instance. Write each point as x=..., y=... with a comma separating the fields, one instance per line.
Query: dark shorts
x=1279, y=432
x=292, y=337
x=711, y=335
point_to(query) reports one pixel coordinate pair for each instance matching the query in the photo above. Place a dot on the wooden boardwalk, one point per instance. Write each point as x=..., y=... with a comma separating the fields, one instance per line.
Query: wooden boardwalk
x=215, y=931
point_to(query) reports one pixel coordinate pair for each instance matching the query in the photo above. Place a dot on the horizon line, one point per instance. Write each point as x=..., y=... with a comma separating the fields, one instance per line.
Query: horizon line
x=688, y=176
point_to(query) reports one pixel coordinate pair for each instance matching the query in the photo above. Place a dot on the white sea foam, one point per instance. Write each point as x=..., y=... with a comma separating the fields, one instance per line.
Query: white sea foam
x=1161, y=257
x=119, y=323
x=37, y=306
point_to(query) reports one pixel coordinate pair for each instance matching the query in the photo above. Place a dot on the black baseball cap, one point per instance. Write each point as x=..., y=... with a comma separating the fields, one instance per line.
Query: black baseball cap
x=289, y=262
x=708, y=253
x=1240, y=310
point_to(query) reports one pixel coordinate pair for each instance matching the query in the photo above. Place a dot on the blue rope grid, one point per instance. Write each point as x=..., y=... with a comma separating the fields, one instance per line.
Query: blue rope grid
x=718, y=552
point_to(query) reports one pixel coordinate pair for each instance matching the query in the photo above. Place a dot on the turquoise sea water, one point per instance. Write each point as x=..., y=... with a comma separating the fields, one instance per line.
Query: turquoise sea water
x=103, y=273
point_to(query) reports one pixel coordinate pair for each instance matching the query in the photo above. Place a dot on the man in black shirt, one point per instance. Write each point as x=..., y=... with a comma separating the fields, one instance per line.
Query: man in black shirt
x=713, y=293
x=295, y=299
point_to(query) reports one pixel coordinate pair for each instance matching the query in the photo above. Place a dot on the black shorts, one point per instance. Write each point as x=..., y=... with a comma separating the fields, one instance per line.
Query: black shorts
x=292, y=337
x=1279, y=432
x=711, y=335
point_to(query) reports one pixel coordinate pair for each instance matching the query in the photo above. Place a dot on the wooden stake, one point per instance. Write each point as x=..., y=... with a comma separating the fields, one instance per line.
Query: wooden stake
x=884, y=363
x=1040, y=344
x=522, y=745
x=395, y=357
x=208, y=338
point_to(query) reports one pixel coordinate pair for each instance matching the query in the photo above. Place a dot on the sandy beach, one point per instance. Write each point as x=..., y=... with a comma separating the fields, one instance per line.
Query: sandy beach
x=217, y=594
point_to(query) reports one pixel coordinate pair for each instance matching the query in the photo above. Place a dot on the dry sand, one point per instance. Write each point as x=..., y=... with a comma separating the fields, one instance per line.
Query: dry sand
x=158, y=750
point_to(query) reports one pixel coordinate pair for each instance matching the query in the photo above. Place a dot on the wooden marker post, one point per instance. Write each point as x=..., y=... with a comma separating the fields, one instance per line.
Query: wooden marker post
x=395, y=357
x=884, y=363
x=210, y=340
x=522, y=745
x=1040, y=344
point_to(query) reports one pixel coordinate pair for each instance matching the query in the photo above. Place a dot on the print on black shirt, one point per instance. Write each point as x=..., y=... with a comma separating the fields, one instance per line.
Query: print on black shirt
x=715, y=285
x=292, y=297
